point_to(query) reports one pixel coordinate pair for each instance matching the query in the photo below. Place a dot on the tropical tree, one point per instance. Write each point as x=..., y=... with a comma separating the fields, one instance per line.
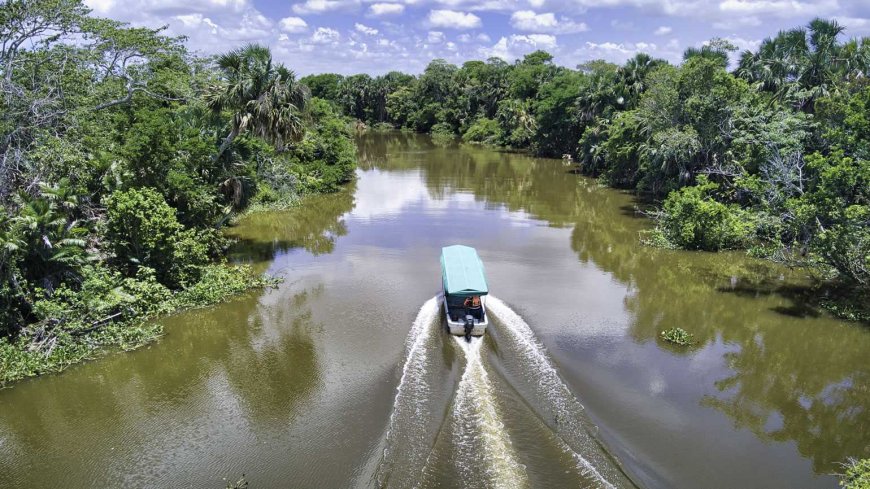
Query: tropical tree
x=717, y=50
x=51, y=245
x=804, y=65
x=633, y=75
x=264, y=98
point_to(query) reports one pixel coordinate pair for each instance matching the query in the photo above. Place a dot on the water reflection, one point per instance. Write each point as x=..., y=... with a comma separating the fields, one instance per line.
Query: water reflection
x=297, y=384
x=313, y=226
x=786, y=372
x=158, y=414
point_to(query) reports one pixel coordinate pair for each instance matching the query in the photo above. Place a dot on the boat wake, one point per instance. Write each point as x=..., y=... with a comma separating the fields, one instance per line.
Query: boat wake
x=474, y=442
x=483, y=447
x=407, y=441
x=552, y=398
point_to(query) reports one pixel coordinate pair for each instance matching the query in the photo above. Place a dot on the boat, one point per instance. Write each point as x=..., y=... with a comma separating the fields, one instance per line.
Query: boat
x=465, y=288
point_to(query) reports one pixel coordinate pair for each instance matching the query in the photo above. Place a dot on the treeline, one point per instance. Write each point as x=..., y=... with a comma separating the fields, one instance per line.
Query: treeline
x=772, y=156
x=121, y=156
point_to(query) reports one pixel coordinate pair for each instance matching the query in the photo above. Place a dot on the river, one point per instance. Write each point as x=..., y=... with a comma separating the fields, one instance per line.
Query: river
x=343, y=377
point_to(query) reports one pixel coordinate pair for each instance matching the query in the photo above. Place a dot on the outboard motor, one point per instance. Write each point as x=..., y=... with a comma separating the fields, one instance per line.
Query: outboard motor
x=469, y=325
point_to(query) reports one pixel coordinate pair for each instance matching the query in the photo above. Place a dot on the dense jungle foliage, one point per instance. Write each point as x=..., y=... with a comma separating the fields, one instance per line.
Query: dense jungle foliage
x=121, y=156
x=773, y=156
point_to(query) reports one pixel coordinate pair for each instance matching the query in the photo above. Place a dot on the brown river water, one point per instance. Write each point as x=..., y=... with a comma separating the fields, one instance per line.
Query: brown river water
x=344, y=377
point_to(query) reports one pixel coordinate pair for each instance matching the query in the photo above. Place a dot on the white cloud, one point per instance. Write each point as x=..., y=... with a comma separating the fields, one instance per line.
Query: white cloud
x=325, y=35
x=293, y=25
x=320, y=6
x=197, y=20
x=663, y=31
x=855, y=25
x=622, y=25
x=382, y=9
x=781, y=8
x=369, y=31
x=482, y=37
x=452, y=19
x=527, y=20
x=514, y=46
x=435, y=37
x=620, y=52
x=737, y=23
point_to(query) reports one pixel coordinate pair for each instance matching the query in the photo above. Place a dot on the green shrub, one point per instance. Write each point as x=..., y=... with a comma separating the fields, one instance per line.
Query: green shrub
x=326, y=157
x=143, y=231
x=219, y=282
x=110, y=311
x=484, y=131
x=441, y=129
x=692, y=219
x=383, y=127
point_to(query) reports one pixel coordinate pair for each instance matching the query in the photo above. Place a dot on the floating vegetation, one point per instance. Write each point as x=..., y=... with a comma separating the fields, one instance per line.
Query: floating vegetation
x=677, y=336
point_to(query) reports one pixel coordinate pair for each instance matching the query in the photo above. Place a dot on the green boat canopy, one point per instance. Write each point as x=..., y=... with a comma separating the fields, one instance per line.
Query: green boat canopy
x=462, y=271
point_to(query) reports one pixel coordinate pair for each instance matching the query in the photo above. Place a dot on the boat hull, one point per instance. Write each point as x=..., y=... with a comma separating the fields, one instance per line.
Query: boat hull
x=458, y=327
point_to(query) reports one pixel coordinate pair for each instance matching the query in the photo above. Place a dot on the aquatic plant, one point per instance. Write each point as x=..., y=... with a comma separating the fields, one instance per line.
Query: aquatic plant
x=677, y=336
x=857, y=474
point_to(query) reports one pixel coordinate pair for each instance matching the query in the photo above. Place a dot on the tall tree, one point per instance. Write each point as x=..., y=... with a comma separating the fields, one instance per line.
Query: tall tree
x=264, y=98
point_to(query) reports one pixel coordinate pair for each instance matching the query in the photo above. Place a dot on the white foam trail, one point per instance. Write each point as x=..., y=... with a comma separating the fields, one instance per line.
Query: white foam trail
x=406, y=447
x=553, y=395
x=481, y=440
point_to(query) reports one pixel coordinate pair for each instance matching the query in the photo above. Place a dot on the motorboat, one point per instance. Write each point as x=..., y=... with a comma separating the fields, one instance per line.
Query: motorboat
x=465, y=289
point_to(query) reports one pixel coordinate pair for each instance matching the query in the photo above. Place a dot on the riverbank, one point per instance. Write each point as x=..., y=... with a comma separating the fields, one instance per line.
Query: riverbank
x=114, y=315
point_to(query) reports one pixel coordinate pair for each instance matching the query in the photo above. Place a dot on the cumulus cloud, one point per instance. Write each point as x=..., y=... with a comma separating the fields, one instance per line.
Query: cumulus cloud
x=320, y=6
x=369, y=31
x=528, y=20
x=663, y=31
x=325, y=35
x=514, y=46
x=383, y=9
x=293, y=25
x=452, y=19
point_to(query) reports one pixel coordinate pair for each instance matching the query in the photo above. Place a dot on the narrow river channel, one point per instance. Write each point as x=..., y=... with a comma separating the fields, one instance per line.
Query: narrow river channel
x=344, y=377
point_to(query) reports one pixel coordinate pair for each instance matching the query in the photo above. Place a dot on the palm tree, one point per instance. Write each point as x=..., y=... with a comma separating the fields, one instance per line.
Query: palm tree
x=717, y=50
x=803, y=65
x=264, y=98
x=52, y=246
x=634, y=72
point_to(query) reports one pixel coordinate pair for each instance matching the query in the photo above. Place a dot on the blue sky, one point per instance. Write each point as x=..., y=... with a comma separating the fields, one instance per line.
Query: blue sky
x=376, y=36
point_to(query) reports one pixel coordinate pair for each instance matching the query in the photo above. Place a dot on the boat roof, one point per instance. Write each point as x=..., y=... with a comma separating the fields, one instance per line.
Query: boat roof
x=462, y=271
